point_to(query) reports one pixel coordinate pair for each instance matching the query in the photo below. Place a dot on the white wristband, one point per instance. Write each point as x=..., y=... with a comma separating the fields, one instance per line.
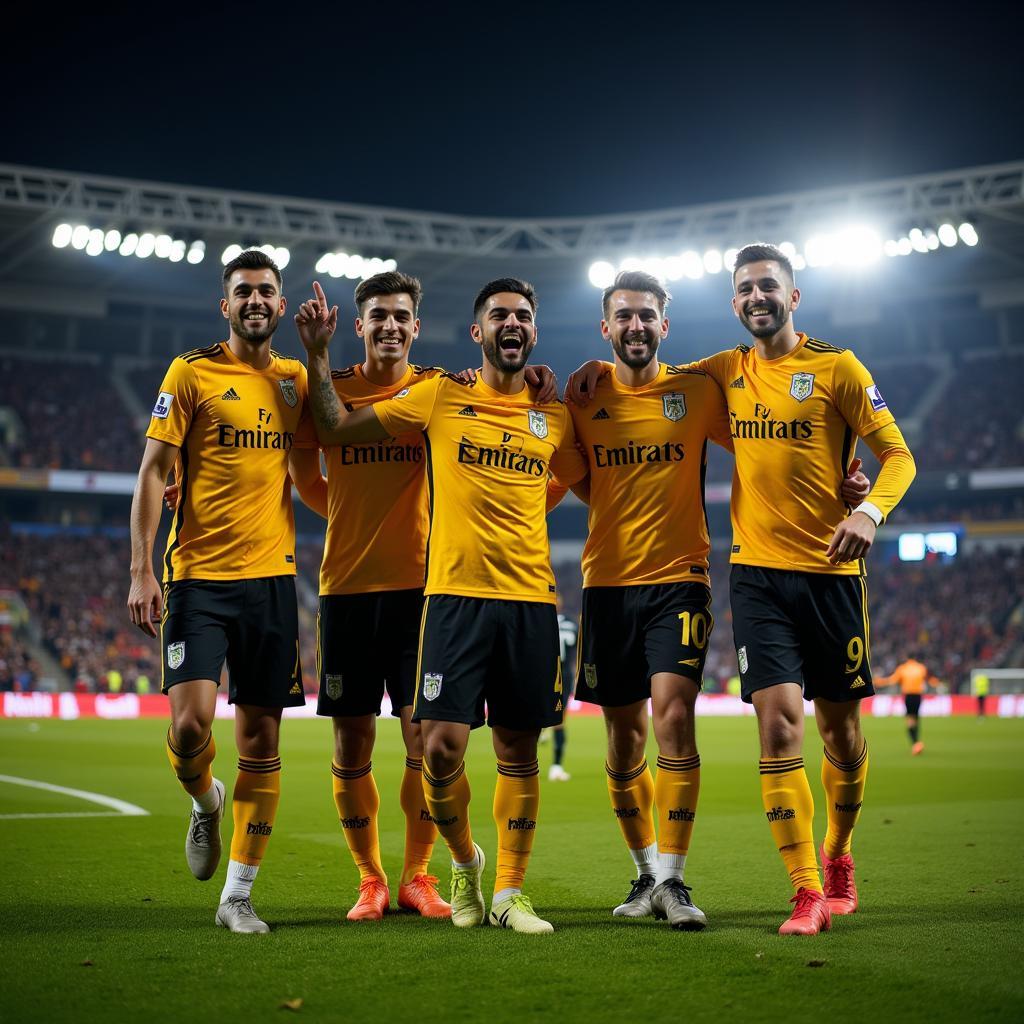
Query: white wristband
x=873, y=512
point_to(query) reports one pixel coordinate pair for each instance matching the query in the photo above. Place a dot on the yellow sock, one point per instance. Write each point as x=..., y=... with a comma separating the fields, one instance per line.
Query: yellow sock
x=676, y=788
x=194, y=770
x=844, y=789
x=254, y=807
x=790, y=809
x=632, y=796
x=448, y=801
x=516, y=801
x=357, y=800
x=420, y=830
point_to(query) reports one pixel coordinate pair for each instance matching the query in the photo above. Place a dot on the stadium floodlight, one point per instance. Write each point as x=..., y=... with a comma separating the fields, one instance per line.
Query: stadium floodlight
x=230, y=253
x=282, y=257
x=693, y=265
x=632, y=263
x=968, y=235
x=111, y=240
x=323, y=264
x=799, y=263
x=947, y=235
x=177, y=253
x=80, y=236
x=713, y=261
x=128, y=244
x=891, y=247
x=655, y=266
x=917, y=240
x=729, y=258
x=904, y=246
x=62, y=236
x=354, y=267
x=390, y=265
x=931, y=240
x=196, y=252
x=857, y=246
x=820, y=251
x=674, y=268
x=95, y=244
x=146, y=246
x=788, y=249
x=162, y=246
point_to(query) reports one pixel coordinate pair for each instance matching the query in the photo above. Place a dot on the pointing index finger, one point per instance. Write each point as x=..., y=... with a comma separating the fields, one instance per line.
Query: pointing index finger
x=320, y=297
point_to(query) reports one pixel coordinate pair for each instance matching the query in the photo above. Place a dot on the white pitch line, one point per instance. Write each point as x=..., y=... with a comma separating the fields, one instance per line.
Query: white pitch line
x=65, y=814
x=118, y=806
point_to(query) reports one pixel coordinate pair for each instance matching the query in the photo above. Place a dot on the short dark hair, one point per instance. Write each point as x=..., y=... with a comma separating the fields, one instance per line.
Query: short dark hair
x=504, y=284
x=636, y=281
x=251, y=259
x=391, y=282
x=760, y=252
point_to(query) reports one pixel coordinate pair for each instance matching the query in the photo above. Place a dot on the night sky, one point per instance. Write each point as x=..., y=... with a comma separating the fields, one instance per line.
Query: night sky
x=526, y=110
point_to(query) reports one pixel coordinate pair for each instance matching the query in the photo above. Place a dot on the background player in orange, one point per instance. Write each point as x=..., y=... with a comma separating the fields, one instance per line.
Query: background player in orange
x=371, y=589
x=489, y=631
x=912, y=677
x=225, y=419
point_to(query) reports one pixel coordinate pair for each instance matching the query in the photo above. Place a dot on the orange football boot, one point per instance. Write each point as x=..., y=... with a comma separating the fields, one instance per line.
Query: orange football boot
x=840, y=888
x=810, y=915
x=420, y=894
x=374, y=898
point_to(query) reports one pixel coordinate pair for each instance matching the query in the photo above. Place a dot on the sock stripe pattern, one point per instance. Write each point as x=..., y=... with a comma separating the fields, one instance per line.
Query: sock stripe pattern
x=441, y=783
x=259, y=766
x=420, y=830
x=415, y=763
x=633, y=773
x=519, y=771
x=847, y=766
x=188, y=754
x=350, y=773
x=678, y=764
x=780, y=765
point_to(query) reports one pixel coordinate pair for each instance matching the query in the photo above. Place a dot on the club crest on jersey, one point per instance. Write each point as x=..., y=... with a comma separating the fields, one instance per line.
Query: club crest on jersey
x=801, y=386
x=333, y=685
x=291, y=396
x=538, y=423
x=176, y=654
x=673, y=407
x=432, y=684
x=590, y=675
x=741, y=657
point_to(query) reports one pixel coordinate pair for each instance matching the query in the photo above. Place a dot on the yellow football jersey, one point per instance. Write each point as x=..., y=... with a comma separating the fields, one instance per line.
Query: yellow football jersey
x=794, y=421
x=377, y=510
x=234, y=426
x=647, y=449
x=488, y=459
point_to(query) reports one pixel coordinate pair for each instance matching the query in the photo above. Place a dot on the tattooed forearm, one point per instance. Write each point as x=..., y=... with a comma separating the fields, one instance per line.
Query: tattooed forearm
x=326, y=407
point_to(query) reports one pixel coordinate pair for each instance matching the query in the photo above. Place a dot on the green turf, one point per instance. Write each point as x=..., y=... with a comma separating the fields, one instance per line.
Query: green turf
x=101, y=920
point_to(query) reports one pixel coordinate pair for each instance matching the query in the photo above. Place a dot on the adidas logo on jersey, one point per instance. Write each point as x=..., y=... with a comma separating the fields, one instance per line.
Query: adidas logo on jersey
x=231, y=395
x=468, y=411
x=601, y=414
x=857, y=683
x=738, y=383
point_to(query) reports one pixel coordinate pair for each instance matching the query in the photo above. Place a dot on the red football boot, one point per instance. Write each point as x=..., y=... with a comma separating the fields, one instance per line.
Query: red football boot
x=810, y=915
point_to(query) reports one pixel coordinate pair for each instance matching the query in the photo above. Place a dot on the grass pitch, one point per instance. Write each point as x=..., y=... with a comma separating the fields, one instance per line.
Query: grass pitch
x=102, y=921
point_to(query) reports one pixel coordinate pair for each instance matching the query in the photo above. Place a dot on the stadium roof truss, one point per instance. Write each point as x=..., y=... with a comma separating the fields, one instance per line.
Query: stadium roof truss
x=996, y=191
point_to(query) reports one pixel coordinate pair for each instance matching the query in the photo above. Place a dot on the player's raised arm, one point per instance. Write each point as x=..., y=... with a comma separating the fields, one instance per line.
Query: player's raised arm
x=145, y=597
x=316, y=324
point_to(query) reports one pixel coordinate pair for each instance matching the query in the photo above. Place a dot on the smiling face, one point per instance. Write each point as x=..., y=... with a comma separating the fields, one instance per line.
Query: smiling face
x=253, y=304
x=764, y=297
x=506, y=331
x=635, y=325
x=388, y=327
